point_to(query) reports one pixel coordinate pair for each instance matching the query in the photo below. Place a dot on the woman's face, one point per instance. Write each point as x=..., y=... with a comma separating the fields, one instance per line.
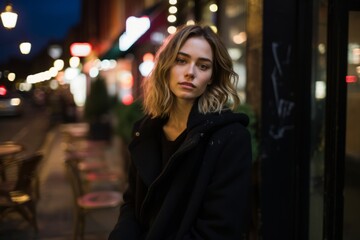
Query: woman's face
x=192, y=69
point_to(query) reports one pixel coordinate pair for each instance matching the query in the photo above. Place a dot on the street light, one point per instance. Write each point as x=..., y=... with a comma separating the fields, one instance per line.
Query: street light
x=82, y=49
x=25, y=47
x=8, y=17
x=55, y=51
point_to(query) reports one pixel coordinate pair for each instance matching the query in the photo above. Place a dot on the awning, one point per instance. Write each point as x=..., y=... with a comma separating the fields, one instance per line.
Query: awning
x=157, y=15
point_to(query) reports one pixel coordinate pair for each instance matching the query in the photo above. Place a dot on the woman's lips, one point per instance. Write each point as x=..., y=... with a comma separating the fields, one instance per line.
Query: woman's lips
x=187, y=85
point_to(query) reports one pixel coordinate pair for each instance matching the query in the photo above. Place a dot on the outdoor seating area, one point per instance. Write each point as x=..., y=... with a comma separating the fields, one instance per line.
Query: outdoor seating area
x=19, y=189
x=72, y=189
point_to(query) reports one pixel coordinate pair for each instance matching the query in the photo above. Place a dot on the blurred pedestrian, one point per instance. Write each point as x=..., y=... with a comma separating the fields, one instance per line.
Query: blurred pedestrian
x=191, y=154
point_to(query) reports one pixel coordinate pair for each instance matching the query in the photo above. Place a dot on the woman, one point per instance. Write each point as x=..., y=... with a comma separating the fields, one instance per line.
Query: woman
x=191, y=155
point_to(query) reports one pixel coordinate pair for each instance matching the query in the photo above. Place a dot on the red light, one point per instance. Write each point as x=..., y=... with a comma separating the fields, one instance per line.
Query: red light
x=351, y=79
x=2, y=91
x=80, y=49
x=127, y=99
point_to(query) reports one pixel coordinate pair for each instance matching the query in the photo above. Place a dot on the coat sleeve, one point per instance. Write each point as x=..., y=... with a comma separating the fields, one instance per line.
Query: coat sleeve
x=127, y=226
x=225, y=211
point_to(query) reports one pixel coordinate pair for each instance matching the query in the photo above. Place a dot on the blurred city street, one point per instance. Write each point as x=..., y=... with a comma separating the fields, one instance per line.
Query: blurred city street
x=55, y=208
x=71, y=85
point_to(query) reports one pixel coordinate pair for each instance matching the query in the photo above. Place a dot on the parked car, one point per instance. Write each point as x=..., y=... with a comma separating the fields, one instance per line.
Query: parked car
x=11, y=102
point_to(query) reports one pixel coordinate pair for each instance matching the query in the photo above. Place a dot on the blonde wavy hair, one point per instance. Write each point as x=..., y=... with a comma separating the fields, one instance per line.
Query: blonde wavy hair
x=158, y=100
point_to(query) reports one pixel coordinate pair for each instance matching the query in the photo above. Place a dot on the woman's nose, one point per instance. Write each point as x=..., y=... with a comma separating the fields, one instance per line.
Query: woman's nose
x=190, y=72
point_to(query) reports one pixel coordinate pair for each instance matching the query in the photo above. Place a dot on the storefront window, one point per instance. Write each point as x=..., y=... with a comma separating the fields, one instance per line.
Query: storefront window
x=352, y=155
x=317, y=117
x=232, y=28
x=209, y=14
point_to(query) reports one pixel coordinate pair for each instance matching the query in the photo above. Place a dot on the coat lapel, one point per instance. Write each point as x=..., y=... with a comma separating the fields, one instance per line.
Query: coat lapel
x=146, y=151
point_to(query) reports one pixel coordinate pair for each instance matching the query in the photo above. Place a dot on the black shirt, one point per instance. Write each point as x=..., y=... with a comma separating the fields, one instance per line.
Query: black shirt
x=170, y=147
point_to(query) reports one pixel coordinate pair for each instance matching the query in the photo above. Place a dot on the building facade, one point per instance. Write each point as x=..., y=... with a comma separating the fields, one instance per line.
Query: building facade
x=299, y=68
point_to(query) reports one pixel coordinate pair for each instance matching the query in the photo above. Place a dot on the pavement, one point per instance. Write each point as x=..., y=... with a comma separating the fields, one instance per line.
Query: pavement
x=55, y=208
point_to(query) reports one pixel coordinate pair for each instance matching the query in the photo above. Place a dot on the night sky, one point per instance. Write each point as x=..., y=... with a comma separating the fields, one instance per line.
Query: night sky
x=39, y=21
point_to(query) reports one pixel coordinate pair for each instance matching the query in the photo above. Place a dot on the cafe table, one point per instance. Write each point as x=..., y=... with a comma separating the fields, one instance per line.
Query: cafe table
x=8, y=150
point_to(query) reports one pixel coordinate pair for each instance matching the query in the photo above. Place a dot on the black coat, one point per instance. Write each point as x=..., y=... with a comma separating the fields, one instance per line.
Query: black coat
x=203, y=190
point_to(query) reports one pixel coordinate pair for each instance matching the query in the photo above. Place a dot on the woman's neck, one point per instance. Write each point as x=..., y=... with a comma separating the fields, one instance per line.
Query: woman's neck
x=177, y=121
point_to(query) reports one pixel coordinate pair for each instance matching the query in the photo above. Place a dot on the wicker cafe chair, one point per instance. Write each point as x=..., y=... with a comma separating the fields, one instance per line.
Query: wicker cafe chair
x=93, y=173
x=9, y=158
x=20, y=194
x=87, y=201
x=90, y=156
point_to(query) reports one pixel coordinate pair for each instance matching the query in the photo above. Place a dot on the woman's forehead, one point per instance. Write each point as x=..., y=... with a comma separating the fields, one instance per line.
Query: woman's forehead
x=197, y=46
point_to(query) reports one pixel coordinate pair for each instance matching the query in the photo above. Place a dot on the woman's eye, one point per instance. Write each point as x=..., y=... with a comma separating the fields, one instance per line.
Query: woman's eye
x=180, y=60
x=203, y=66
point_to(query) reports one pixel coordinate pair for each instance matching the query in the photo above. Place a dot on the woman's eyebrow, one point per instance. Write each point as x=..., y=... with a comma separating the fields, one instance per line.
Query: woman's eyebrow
x=201, y=58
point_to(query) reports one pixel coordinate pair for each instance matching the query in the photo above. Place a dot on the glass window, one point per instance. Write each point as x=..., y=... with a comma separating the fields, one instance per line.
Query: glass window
x=232, y=29
x=317, y=117
x=351, y=228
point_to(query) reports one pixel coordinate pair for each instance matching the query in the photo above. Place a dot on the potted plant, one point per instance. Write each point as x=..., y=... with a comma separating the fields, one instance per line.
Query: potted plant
x=248, y=110
x=97, y=111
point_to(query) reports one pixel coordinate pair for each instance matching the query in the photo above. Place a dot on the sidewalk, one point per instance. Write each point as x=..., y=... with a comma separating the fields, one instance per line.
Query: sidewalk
x=55, y=207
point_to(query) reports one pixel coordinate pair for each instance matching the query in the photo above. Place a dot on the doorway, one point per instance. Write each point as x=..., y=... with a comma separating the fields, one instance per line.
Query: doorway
x=351, y=230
